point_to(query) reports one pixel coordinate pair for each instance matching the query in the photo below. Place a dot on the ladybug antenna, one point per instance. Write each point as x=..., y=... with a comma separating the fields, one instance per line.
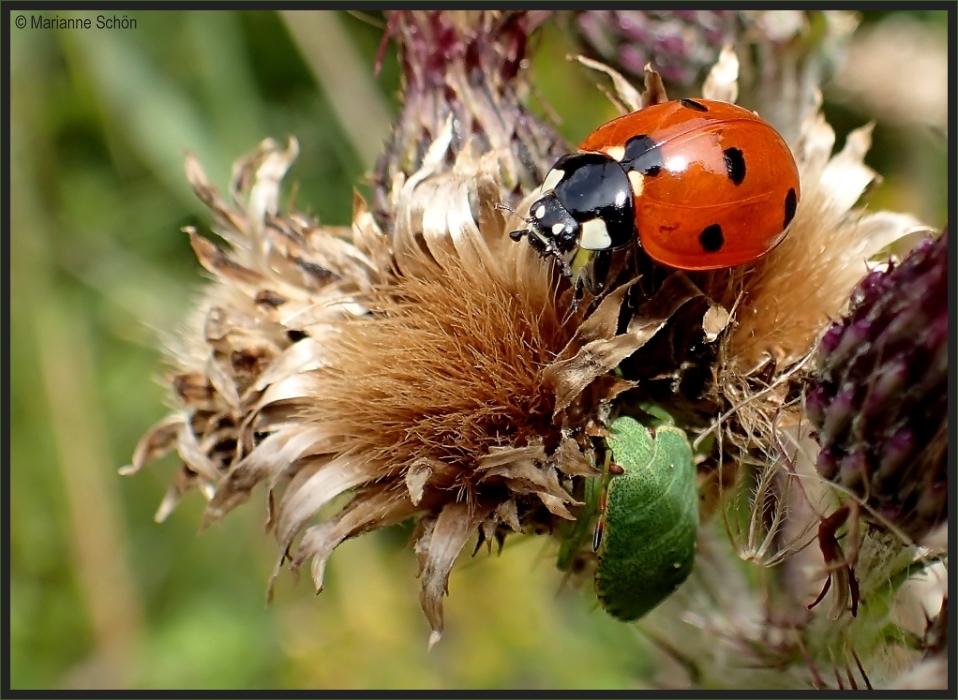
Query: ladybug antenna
x=505, y=207
x=514, y=235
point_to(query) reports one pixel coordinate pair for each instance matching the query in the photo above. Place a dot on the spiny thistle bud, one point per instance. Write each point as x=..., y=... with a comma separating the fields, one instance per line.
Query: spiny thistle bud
x=879, y=397
x=466, y=66
x=681, y=45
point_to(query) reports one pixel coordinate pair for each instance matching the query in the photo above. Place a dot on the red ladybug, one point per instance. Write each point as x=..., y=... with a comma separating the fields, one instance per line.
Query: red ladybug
x=703, y=184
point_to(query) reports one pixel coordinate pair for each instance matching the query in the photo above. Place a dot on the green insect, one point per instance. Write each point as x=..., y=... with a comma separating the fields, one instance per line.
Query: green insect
x=648, y=516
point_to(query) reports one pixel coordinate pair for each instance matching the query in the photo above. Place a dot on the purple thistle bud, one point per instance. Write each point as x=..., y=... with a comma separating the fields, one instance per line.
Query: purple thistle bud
x=878, y=394
x=681, y=45
x=827, y=463
x=470, y=69
x=815, y=402
x=853, y=340
x=900, y=448
x=854, y=469
x=869, y=288
x=829, y=342
x=891, y=381
x=839, y=414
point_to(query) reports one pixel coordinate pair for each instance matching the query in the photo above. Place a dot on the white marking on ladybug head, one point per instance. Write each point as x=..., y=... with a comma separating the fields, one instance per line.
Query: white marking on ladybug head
x=557, y=229
x=616, y=153
x=637, y=180
x=540, y=211
x=553, y=178
x=595, y=235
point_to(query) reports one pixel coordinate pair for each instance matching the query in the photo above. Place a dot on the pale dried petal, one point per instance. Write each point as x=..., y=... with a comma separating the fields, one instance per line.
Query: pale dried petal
x=722, y=81
x=222, y=265
x=555, y=505
x=297, y=386
x=222, y=380
x=270, y=460
x=232, y=222
x=508, y=514
x=371, y=510
x=264, y=195
x=654, y=88
x=816, y=142
x=438, y=550
x=570, y=459
x=846, y=176
x=297, y=359
x=189, y=449
x=624, y=89
x=882, y=229
x=499, y=456
x=526, y=476
x=418, y=475
x=315, y=486
x=715, y=321
x=185, y=481
x=157, y=441
x=487, y=532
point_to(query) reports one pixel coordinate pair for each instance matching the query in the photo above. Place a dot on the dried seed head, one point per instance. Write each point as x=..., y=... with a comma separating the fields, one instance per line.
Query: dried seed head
x=431, y=370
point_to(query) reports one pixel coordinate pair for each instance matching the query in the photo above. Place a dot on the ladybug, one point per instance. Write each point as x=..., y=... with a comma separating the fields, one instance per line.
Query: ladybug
x=697, y=184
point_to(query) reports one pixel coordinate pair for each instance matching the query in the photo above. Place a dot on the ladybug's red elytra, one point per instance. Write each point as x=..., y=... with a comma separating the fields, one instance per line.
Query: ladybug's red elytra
x=702, y=184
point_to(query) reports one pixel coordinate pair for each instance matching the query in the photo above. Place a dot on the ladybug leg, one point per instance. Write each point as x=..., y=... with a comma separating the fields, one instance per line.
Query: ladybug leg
x=577, y=294
x=598, y=271
x=546, y=249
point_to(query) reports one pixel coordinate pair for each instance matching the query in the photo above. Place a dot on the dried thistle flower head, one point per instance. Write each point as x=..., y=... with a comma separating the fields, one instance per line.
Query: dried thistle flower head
x=420, y=364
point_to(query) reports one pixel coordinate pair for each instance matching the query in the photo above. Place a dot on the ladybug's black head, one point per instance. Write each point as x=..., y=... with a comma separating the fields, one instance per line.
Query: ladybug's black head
x=552, y=229
x=586, y=205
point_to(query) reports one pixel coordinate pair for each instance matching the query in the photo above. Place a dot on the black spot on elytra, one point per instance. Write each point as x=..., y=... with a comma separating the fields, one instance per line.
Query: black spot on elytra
x=644, y=155
x=712, y=239
x=734, y=165
x=692, y=104
x=791, y=202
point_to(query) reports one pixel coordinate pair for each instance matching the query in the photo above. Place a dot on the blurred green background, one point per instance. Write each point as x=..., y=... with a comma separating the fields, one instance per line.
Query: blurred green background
x=100, y=595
